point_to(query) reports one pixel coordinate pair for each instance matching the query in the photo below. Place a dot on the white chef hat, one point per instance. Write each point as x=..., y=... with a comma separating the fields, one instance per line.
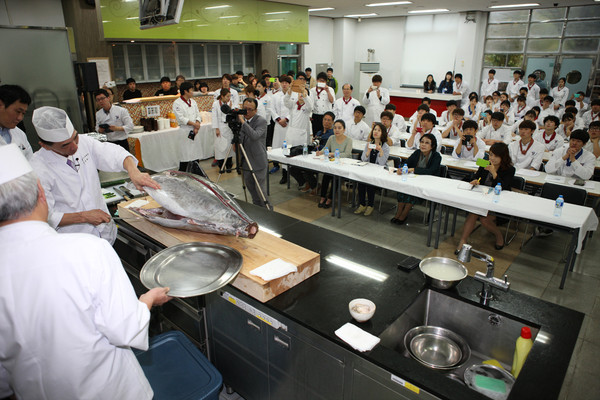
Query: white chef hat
x=13, y=163
x=52, y=124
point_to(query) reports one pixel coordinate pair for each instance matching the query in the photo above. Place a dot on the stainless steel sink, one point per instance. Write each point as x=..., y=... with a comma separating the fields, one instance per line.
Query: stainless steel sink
x=490, y=335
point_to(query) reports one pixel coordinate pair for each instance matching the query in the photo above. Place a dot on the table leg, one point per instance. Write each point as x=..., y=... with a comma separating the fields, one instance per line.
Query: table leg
x=570, y=257
x=339, y=197
x=430, y=225
x=439, y=226
x=268, y=182
x=333, y=195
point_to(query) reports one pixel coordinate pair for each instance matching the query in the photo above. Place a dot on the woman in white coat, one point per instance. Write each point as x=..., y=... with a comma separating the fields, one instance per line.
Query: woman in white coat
x=223, y=132
x=560, y=94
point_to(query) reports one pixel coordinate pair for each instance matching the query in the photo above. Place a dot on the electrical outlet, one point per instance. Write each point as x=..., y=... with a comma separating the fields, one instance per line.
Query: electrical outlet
x=153, y=111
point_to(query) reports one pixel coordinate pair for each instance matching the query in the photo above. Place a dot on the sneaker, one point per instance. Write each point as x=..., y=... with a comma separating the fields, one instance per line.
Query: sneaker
x=369, y=211
x=274, y=169
x=360, y=209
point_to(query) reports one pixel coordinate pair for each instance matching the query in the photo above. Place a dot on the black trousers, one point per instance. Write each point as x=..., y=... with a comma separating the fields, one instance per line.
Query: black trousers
x=367, y=191
x=123, y=143
x=228, y=163
x=270, y=130
x=325, y=192
x=302, y=176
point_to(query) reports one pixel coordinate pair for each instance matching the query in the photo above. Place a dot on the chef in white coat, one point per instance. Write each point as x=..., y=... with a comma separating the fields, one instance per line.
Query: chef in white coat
x=533, y=91
x=560, y=94
x=223, y=132
x=344, y=107
x=189, y=120
x=375, y=99
x=279, y=112
x=514, y=86
x=572, y=159
x=301, y=106
x=14, y=101
x=68, y=313
x=460, y=87
x=68, y=164
x=489, y=85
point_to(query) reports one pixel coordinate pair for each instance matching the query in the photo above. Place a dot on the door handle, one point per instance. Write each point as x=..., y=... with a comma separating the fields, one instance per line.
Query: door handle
x=252, y=324
x=281, y=342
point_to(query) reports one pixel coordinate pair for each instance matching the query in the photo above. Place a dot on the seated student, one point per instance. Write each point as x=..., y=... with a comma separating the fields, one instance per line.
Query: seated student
x=131, y=92
x=424, y=161
x=500, y=170
x=496, y=131
x=577, y=121
x=486, y=119
x=594, y=144
x=545, y=110
x=377, y=152
x=488, y=104
x=509, y=117
x=593, y=114
x=569, y=107
x=454, y=128
x=581, y=106
x=393, y=134
x=415, y=119
x=520, y=108
x=526, y=153
x=503, y=97
x=530, y=115
x=572, y=159
x=469, y=146
x=533, y=90
x=201, y=86
x=427, y=100
x=429, y=84
x=424, y=102
x=446, y=117
x=473, y=109
x=165, y=87
x=358, y=129
x=398, y=120
x=567, y=125
x=548, y=135
x=496, y=97
x=342, y=143
x=543, y=93
x=446, y=84
x=427, y=126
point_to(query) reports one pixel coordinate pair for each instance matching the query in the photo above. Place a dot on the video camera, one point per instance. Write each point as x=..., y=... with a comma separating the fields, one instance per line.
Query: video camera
x=232, y=120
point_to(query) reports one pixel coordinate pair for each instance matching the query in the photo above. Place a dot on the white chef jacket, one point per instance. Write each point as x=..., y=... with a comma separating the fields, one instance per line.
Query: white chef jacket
x=453, y=134
x=69, y=191
x=551, y=143
x=473, y=115
x=235, y=97
x=184, y=113
x=487, y=88
x=519, y=112
x=68, y=317
x=374, y=105
x=394, y=134
x=415, y=115
x=344, y=110
x=463, y=89
x=321, y=103
x=445, y=118
x=589, y=146
x=531, y=159
x=264, y=107
x=358, y=131
x=560, y=95
x=589, y=117
x=222, y=142
x=543, y=114
x=582, y=168
x=533, y=95
x=469, y=154
x=117, y=116
x=19, y=138
x=399, y=123
x=502, y=133
x=581, y=109
x=512, y=89
x=299, y=127
x=279, y=111
x=434, y=131
x=511, y=117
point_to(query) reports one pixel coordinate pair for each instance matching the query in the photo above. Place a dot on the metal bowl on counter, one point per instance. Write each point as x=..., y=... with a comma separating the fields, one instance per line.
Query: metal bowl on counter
x=442, y=272
x=437, y=347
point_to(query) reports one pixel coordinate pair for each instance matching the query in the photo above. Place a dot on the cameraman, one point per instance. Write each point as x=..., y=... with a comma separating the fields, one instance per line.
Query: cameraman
x=253, y=136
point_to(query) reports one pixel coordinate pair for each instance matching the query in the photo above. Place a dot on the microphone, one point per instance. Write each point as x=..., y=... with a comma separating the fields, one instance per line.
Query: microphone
x=225, y=109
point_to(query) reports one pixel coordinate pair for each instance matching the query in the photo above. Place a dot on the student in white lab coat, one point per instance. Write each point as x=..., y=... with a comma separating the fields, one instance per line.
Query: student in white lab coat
x=593, y=114
x=301, y=106
x=526, y=153
x=489, y=85
x=398, y=121
x=68, y=164
x=509, y=117
x=548, y=136
x=520, y=108
x=533, y=90
x=375, y=99
x=546, y=110
x=454, y=128
x=189, y=121
x=281, y=115
x=14, y=101
x=515, y=86
x=593, y=146
x=426, y=125
x=344, y=107
x=357, y=129
x=264, y=101
x=68, y=313
x=469, y=146
x=460, y=87
x=393, y=134
x=572, y=159
x=560, y=94
x=580, y=104
x=473, y=108
x=415, y=119
x=446, y=116
x=223, y=134
x=323, y=97
x=226, y=80
x=496, y=131
x=112, y=120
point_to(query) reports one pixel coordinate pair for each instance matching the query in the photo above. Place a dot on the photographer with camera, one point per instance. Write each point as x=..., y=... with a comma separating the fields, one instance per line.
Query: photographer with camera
x=468, y=146
x=188, y=118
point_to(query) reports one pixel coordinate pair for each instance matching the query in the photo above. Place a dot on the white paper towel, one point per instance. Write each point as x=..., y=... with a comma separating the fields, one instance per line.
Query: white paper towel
x=356, y=337
x=274, y=269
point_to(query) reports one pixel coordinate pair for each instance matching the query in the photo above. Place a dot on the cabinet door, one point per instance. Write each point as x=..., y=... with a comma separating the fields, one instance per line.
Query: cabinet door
x=365, y=387
x=300, y=370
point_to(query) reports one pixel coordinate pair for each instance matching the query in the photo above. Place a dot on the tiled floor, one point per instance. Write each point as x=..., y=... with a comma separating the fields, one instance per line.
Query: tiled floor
x=536, y=270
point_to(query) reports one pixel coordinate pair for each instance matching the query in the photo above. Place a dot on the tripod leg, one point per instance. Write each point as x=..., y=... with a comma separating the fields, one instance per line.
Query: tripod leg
x=256, y=182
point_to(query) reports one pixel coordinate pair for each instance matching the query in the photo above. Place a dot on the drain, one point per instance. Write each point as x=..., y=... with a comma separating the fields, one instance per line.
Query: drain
x=494, y=319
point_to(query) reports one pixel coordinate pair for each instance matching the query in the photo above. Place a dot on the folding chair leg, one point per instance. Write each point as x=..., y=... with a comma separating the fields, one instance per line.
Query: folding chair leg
x=426, y=213
x=446, y=220
x=454, y=222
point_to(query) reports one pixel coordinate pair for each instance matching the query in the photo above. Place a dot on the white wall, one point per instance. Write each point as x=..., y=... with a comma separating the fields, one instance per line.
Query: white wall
x=46, y=13
x=320, y=39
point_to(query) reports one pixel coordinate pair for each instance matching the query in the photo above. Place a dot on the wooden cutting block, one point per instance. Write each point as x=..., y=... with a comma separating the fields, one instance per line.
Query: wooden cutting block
x=255, y=252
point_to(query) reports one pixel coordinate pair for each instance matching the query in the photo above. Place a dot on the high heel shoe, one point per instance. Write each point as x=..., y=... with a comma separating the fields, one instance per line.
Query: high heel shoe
x=499, y=246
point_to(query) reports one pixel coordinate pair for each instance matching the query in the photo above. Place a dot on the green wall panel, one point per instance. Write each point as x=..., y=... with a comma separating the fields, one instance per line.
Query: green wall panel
x=244, y=21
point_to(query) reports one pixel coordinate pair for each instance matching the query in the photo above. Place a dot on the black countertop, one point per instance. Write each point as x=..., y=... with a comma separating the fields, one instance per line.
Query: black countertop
x=321, y=304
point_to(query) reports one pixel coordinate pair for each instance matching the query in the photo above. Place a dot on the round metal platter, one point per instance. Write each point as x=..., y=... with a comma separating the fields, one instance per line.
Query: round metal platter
x=192, y=269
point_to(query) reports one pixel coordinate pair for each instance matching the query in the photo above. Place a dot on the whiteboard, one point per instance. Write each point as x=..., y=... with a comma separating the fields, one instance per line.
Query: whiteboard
x=103, y=69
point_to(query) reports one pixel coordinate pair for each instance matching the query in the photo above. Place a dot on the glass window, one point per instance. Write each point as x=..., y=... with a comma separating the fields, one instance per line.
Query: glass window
x=226, y=59
x=168, y=55
x=580, y=45
x=548, y=14
x=494, y=60
x=584, y=12
x=514, y=60
x=543, y=45
x=509, y=16
x=183, y=54
x=152, y=62
x=238, y=59
x=583, y=28
x=119, y=63
x=546, y=29
x=285, y=49
x=249, y=65
x=136, y=68
x=211, y=60
x=507, y=30
x=199, y=70
x=515, y=45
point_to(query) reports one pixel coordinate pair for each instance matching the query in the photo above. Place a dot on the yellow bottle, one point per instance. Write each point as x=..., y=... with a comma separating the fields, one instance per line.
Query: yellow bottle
x=173, y=120
x=522, y=348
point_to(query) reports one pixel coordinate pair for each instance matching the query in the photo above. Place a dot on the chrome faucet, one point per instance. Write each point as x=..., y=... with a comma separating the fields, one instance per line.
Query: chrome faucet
x=487, y=279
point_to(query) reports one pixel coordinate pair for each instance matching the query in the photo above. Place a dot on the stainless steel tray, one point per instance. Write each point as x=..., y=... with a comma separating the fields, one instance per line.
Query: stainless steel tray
x=192, y=269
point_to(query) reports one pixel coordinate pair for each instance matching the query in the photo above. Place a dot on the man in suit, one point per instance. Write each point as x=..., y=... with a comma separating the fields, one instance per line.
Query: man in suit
x=253, y=136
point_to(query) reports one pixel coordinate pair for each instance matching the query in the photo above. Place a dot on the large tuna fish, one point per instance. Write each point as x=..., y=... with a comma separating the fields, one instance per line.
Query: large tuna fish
x=193, y=203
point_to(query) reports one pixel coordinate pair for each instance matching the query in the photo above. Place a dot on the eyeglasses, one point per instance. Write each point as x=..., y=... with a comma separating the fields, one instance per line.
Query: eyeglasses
x=249, y=109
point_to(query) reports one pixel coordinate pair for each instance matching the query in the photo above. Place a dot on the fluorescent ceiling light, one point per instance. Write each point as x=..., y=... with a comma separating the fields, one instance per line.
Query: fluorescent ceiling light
x=215, y=7
x=357, y=268
x=274, y=20
x=189, y=20
x=132, y=18
x=517, y=5
x=321, y=9
x=202, y=25
x=105, y=22
x=360, y=15
x=278, y=12
x=391, y=3
x=229, y=16
x=428, y=11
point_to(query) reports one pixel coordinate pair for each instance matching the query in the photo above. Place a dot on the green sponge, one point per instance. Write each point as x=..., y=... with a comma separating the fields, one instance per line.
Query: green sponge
x=492, y=384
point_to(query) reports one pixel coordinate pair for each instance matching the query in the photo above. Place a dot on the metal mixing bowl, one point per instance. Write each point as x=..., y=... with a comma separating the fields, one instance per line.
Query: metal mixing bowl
x=437, y=347
x=449, y=263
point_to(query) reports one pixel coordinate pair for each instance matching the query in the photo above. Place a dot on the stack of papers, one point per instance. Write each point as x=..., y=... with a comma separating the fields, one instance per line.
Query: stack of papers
x=357, y=338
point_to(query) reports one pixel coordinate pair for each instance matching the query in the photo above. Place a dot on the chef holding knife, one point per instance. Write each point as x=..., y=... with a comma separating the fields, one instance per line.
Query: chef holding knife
x=67, y=166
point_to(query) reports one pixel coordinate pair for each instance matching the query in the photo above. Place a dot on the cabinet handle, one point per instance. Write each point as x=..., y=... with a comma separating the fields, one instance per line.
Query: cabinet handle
x=252, y=324
x=281, y=342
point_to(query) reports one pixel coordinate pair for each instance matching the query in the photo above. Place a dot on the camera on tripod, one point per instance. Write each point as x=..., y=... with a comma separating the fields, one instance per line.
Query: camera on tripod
x=232, y=120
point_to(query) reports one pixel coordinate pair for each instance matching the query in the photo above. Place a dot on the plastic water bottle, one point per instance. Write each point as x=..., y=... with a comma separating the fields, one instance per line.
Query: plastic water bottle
x=305, y=150
x=497, y=191
x=284, y=147
x=337, y=156
x=404, y=172
x=326, y=154
x=558, y=206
